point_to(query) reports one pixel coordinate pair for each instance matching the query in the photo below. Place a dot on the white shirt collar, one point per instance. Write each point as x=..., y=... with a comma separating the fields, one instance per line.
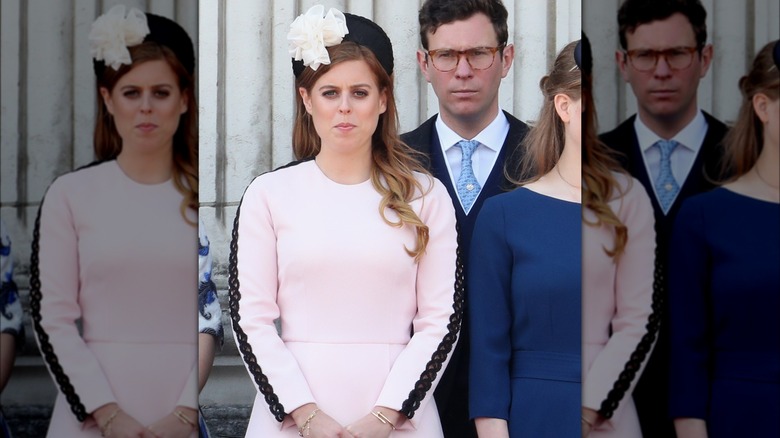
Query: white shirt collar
x=690, y=137
x=492, y=136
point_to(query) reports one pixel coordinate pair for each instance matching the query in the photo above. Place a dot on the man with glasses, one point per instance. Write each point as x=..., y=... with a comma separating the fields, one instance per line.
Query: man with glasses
x=464, y=57
x=671, y=146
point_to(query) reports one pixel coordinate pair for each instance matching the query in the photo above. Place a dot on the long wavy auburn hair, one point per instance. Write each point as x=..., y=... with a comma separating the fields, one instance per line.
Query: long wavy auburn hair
x=598, y=164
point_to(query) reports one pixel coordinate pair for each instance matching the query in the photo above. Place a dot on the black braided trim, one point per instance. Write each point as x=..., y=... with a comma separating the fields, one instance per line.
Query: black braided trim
x=623, y=383
x=432, y=368
x=35, y=307
x=43, y=338
x=243, y=345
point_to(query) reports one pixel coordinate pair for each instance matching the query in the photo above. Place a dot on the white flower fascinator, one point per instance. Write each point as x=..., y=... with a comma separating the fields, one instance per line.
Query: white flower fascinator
x=312, y=32
x=113, y=32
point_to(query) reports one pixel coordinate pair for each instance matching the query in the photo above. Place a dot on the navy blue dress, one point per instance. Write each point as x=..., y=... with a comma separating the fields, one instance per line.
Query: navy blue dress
x=524, y=303
x=724, y=303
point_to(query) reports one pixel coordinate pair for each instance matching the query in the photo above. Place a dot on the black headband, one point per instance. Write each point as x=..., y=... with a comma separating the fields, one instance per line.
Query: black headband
x=583, y=56
x=776, y=54
x=364, y=32
x=168, y=33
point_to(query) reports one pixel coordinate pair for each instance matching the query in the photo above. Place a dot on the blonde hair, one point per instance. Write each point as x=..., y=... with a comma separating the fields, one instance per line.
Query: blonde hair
x=394, y=163
x=543, y=145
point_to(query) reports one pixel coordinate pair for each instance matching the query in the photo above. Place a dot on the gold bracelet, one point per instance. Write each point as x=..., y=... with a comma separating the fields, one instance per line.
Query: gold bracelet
x=381, y=417
x=184, y=419
x=305, y=425
x=105, y=429
x=585, y=420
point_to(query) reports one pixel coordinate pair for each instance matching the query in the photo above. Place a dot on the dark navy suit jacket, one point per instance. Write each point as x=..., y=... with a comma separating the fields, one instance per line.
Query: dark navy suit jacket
x=452, y=392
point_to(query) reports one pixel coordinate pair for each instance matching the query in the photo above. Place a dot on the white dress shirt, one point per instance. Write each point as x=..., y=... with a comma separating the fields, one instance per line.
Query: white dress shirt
x=490, y=139
x=690, y=140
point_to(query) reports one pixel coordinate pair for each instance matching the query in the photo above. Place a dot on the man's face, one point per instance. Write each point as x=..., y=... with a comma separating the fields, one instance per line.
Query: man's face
x=467, y=97
x=663, y=92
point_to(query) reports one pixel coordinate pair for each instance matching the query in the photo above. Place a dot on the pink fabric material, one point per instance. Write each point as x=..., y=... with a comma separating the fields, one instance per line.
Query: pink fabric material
x=119, y=255
x=622, y=309
x=318, y=255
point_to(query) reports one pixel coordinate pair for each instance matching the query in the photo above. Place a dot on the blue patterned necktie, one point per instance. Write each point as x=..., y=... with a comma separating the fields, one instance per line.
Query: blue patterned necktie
x=468, y=186
x=665, y=185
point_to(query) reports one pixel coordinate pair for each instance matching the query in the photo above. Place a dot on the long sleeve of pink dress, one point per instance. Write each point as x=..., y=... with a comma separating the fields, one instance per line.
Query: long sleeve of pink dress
x=617, y=301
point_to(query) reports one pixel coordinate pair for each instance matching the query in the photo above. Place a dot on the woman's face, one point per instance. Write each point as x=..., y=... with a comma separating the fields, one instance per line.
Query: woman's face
x=345, y=104
x=146, y=104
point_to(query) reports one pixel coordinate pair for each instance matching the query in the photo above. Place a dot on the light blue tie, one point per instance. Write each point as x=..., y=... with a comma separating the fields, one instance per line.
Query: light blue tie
x=665, y=185
x=468, y=186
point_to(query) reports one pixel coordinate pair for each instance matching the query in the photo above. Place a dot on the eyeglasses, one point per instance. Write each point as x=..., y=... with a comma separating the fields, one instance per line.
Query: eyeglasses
x=479, y=58
x=678, y=58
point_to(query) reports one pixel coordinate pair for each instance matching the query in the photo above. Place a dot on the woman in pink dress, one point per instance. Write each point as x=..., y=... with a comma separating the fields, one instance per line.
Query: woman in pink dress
x=113, y=273
x=618, y=247
x=352, y=249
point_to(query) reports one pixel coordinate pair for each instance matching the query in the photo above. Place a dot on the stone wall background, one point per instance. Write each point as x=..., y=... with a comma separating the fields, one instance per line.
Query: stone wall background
x=47, y=103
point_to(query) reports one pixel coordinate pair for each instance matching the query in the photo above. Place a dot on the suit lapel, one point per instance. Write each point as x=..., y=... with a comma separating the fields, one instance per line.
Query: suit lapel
x=704, y=171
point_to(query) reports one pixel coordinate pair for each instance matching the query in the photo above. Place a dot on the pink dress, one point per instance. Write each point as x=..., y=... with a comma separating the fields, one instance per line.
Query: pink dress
x=616, y=303
x=118, y=256
x=362, y=324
